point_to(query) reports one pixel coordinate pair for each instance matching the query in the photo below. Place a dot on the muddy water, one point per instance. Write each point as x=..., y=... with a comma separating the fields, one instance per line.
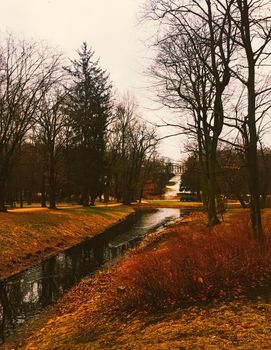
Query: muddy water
x=24, y=295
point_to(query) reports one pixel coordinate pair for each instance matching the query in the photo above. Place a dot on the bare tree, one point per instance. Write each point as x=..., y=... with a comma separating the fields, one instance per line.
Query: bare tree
x=252, y=20
x=193, y=63
x=51, y=123
x=134, y=143
x=27, y=71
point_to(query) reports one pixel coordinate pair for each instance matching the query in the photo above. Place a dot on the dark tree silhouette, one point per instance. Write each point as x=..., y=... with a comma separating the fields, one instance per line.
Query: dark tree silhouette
x=89, y=109
x=51, y=123
x=27, y=71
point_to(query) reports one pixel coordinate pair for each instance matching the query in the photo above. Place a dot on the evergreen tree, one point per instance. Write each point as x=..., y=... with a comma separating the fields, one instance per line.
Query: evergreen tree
x=89, y=108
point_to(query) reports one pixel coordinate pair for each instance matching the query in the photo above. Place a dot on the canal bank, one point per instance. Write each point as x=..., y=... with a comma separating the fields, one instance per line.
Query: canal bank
x=96, y=313
x=28, y=236
x=27, y=293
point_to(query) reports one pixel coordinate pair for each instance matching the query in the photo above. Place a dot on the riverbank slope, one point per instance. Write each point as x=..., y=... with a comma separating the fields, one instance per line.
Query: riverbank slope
x=28, y=236
x=132, y=305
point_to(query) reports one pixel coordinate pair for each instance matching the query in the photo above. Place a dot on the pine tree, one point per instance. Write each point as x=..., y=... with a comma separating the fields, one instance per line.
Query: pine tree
x=89, y=108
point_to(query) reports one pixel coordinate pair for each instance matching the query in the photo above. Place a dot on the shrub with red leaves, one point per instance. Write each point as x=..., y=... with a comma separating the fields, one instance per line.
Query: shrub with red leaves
x=195, y=265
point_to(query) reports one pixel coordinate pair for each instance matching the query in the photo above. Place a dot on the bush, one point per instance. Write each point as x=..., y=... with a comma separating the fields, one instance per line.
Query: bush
x=194, y=265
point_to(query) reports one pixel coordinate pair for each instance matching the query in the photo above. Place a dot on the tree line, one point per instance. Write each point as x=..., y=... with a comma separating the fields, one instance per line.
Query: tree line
x=211, y=68
x=63, y=134
x=232, y=177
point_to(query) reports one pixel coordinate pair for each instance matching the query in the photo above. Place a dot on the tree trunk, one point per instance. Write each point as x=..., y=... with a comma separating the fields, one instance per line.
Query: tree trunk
x=127, y=197
x=52, y=183
x=252, y=157
x=21, y=198
x=255, y=202
x=43, y=193
x=92, y=200
x=211, y=207
x=85, y=198
x=251, y=146
x=211, y=185
x=141, y=194
x=2, y=195
x=106, y=195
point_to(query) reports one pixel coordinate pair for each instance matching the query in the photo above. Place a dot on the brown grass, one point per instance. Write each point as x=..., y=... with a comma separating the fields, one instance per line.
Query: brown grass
x=185, y=264
x=29, y=235
x=160, y=203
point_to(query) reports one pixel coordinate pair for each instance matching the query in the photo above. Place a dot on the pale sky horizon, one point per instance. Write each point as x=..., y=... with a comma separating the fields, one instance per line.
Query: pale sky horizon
x=111, y=28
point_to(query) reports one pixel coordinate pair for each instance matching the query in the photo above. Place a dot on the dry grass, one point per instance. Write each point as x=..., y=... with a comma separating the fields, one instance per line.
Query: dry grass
x=81, y=322
x=157, y=203
x=157, y=275
x=194, y=265
x=29, y=235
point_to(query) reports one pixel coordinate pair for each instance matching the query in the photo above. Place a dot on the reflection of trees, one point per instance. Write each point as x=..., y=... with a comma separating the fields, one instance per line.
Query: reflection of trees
x=98, y=252
x=48, y=284
x=76, y=258
x=5, y=312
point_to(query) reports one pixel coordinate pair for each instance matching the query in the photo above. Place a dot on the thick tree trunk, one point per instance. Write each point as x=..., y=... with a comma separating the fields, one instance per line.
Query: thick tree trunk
x=211, y=188
x=204, y=186
x=255, y=202
x=52, y=183
x=252, y=157
x=252, y=138
x=211, y=207
x=2, y=195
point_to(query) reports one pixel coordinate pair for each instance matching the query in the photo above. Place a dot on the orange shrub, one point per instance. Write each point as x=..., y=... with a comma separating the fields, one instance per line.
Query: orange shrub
x=194, y=265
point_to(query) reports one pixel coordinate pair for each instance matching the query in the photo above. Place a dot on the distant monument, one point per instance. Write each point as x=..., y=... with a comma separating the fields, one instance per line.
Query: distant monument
x=176, y=168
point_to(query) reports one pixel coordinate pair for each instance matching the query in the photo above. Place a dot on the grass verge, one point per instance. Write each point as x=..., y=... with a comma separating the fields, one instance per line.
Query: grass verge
x=156, y=203
x=29, y=235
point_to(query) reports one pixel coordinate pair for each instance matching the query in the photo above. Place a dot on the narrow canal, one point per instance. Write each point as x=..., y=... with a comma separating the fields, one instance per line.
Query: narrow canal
x=25, y=294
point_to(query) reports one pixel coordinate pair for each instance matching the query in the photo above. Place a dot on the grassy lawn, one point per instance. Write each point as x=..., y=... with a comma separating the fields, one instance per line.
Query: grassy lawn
x=159, y=203
x=31, y=234
x=114, y=310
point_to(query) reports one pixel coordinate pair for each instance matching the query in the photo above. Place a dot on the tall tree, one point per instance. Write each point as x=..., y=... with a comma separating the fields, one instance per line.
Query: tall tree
x=132, y=146
x=27, y=71
x=193, y=63
x=89, y=109
x=51, y=123
x=252, y=20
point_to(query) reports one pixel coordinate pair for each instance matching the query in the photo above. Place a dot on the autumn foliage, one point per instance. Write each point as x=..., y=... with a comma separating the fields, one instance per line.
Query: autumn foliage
x=193, y=265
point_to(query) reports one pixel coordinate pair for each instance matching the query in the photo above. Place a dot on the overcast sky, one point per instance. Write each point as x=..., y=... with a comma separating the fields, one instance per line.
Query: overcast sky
x=110, y=27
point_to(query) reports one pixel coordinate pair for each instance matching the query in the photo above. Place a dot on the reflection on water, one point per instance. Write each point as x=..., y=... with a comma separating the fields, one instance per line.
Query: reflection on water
x=27, y=293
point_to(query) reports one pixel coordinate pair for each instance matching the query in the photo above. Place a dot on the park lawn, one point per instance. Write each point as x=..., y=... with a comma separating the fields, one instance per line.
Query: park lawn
x=30, y=235
x=163, y=203
x=94, y=314
x=160, y=203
